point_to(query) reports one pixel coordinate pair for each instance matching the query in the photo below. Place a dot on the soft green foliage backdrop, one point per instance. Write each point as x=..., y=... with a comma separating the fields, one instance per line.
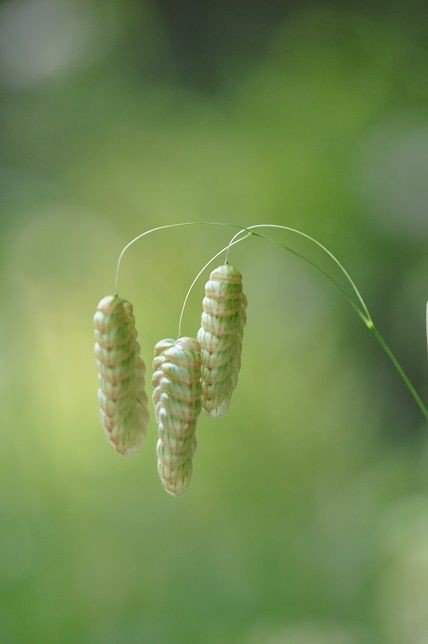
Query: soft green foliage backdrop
x=307, y=518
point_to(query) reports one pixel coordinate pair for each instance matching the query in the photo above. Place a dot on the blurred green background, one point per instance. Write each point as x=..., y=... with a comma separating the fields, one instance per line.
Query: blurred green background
x=307, y=518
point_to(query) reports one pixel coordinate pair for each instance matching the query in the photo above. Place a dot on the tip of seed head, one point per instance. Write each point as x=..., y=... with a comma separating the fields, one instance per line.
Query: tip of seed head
x=189, y=344
x=226, y=273
x=162, y=345
x=108, y=303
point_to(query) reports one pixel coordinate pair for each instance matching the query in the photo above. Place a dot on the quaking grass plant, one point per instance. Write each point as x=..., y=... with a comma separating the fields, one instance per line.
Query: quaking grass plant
x=190, y=374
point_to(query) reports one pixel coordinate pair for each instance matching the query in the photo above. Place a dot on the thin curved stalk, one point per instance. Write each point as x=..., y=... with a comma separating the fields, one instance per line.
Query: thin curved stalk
x=364, y=314
x=361, y=314
x=325, y=250
x=382, y=342
x=153, y=230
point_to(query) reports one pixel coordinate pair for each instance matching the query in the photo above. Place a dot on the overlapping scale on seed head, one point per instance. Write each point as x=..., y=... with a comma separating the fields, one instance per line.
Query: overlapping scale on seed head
x=122, y=399
x=220, y=336
x=177, y=401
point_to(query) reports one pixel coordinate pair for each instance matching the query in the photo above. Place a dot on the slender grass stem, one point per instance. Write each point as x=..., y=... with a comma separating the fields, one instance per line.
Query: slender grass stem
x=153, y=230
x=363, y=314
x=324, y=249
x=382, y=342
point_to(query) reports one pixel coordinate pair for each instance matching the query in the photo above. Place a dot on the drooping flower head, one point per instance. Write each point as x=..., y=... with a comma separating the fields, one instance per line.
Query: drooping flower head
x=177, y=401
x=220, y=336
x=122, y=399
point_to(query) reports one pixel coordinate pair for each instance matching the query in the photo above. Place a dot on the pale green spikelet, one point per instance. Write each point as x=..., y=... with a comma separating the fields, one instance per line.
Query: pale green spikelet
x=122, y=399
x=220, y=336
x=177, y=401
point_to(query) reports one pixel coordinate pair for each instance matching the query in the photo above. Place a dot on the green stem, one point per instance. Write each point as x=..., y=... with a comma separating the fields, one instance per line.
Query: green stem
x=381, y=340
x=165, y=227
x=324, y=249
x=361, y=314
x=364, y=313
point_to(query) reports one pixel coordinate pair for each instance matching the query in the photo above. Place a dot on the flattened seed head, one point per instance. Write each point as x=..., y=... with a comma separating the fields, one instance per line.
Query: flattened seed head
x=121, y=397
x=220, y=336
x=176, y=396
